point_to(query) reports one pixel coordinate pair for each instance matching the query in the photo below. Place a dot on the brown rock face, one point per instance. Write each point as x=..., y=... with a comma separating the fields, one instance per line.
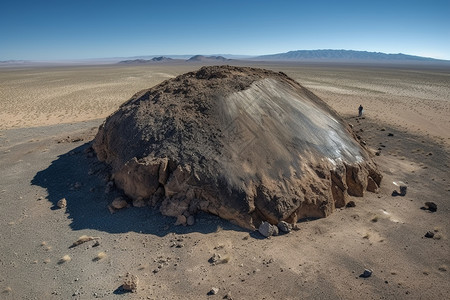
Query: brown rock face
x=248, y=145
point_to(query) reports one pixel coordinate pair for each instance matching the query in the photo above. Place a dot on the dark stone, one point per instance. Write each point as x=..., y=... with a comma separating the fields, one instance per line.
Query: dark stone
x=431, y=206
x=366, y=274
x=350, y=204
x=429, y=234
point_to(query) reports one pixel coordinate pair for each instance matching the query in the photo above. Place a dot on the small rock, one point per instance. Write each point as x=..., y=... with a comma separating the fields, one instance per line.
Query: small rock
x=190, y=220
x=62, y=203
x=266, y=229
x=429, y=234
x=228, y=296
x=214, y=259
x=213, y=291
x=284, y=226
x=130, y=282
x=443, y=268
x=350, y=204
x=275, y=230
x=119, y=203
x=431, y=206
x=403, y=189
x=390, y=134
x=181, y=220
x=366, y=274
x=139, y=202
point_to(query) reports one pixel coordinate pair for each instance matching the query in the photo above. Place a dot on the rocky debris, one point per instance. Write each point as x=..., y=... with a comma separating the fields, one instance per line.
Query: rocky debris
x=208, y=141
x=429, y=234
x=366, y=274
x=213, y=291
x=267, y=229
x=109, y=187
x=139, y=202
x=130, y=283
x=350, y=204
x=217, y=259
x=119, y=203
x=284, y=226
x=181, y=220
x=64, y=259
x=190, y=220
x=214, y=259
x=83, y=239
x=62, y=203
x=402, y=186
x=431, y=206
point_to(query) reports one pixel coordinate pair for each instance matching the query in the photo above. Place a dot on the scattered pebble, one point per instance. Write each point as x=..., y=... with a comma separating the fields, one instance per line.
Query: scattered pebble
x=83, y=239
x=366, y=274
x=181, y=220
x=213, y=291
x=190, y=220
x=62, y=203
x=350, y=204
x=130, y=282
x=64, y=259
x=119, y=203
x=100, y=256
x=431, y=206
x=429, y=234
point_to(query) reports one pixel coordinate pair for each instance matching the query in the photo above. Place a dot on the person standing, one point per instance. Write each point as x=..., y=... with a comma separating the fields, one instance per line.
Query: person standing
x=360, y=110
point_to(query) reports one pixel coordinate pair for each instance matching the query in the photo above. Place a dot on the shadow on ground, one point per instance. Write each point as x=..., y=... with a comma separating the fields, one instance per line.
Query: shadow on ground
x=82, y=179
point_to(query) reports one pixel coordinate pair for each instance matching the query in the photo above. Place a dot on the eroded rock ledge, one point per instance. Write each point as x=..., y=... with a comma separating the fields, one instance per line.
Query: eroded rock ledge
x=248, y=145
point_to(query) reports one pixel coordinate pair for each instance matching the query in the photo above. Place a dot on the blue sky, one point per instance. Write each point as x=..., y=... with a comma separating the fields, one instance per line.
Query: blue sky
x=79, y=29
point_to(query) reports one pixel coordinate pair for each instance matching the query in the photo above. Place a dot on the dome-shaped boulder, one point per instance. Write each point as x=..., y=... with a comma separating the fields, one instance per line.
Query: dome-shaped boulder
x=248, y=145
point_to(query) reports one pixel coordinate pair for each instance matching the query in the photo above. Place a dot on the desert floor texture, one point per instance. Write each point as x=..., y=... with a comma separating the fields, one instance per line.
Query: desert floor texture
x=49, y=115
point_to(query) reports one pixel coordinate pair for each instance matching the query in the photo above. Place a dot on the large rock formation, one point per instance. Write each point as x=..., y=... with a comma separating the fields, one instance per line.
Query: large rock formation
x=248, y=145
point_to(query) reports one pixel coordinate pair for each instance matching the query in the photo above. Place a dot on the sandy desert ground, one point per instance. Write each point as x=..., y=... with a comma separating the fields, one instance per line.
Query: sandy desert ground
x=49, y=116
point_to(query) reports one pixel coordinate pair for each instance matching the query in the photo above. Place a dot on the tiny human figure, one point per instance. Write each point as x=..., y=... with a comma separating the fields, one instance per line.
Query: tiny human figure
x=360, y=110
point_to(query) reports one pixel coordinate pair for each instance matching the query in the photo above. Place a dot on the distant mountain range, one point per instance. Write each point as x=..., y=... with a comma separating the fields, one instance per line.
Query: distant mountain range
x=195, y=58
x=145, y=61
x=342, y=56
x=331, y=56
x=201, y=58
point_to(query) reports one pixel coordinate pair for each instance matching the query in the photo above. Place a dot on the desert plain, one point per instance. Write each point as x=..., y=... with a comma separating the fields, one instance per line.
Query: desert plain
x=49, y=116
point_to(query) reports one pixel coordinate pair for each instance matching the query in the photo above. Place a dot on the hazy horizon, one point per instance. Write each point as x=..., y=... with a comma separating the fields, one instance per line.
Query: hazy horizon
x=55, y=30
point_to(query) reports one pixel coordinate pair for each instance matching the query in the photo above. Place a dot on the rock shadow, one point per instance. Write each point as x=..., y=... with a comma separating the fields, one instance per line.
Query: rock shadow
x=80, y=178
